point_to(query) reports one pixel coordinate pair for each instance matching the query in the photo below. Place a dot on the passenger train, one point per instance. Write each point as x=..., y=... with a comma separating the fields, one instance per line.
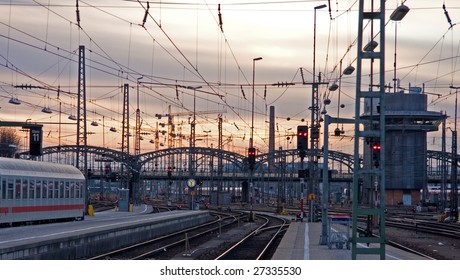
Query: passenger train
x=39, y=191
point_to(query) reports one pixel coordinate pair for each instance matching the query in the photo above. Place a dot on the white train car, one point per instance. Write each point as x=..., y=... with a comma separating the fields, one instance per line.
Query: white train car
x=39, y=191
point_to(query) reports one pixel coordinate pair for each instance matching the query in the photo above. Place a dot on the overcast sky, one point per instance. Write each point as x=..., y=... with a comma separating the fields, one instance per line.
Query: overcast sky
x=181, y=44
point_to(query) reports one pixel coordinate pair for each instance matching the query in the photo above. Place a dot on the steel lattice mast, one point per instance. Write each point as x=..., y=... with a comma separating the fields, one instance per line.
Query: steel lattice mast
x=369, y=129
x=81, y=160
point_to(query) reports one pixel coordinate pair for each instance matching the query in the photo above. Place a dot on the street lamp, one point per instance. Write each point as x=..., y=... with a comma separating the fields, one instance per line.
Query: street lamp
x=251, y=140
x=191, y=161
x=314, y=99
x=314, y=38
x=207, y=137
x=137, y=134
x=192, y=134
x=454, y=188
x=314, y=134
x=251, y=150
x=398, y=14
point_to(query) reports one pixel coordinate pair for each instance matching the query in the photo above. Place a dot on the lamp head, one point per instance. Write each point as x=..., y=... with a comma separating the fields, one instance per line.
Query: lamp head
x=399, y=13
x=320, y=7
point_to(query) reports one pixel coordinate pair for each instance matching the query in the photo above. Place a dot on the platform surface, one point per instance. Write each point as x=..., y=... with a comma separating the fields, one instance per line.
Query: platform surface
x=106, y=220
x=302, y=242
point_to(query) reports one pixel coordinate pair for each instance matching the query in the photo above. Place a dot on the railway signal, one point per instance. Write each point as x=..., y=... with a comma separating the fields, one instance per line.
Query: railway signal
x=251, y=158
x=302, y=139
x=169, y=171
x=376, y=153
x=108, y=170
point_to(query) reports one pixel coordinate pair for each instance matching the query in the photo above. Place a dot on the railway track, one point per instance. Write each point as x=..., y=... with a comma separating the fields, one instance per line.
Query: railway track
x=419, y=233
x=166, y=246
x=442, y=229
x=159, y=209
x=103, y=205
x=417, y=222
x=258, y=243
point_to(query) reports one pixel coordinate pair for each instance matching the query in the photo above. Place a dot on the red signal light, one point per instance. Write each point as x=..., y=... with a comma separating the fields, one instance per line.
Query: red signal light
x=303, y=134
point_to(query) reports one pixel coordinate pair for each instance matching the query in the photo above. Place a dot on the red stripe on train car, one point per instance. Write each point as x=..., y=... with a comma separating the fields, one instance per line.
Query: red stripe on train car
x=23, y=209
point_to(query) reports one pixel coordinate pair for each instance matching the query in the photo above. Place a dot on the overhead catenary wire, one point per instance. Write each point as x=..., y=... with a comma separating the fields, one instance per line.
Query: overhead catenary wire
x=131, y=74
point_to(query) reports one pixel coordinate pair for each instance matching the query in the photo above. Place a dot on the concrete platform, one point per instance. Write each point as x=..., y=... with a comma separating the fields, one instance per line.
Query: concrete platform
x=94, y=235
x=302, y=242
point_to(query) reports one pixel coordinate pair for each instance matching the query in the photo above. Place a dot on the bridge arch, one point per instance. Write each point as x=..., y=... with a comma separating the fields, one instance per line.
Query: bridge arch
x=208, y=160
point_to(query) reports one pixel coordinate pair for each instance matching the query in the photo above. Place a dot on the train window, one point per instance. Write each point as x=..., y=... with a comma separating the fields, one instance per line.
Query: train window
x=2, y=188
x=18, y=187
x=25, y=188
x=78, y=190
x=32, y=188
x=38, y=188
x=50, y=189
x=67, y=189
x=72, y=190
x=10, y=194
x=61, y=189
x=43, y=187
x=56, y=189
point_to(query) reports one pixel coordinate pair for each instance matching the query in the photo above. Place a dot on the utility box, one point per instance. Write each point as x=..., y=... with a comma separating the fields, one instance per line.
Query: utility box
x=123, y=200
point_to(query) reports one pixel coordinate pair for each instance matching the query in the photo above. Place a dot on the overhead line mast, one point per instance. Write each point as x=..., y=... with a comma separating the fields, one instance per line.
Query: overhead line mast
x=82, y=154
x=370, y=128
x=81, y=160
